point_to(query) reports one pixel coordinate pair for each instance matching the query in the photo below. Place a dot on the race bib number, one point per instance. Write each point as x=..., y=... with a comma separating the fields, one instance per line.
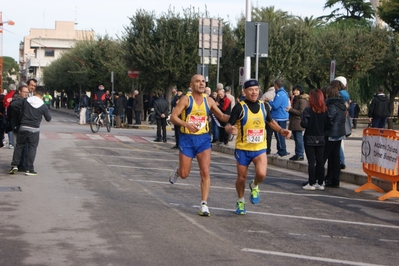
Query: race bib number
x=255, y=135
x=200, y=121
x=46, y=99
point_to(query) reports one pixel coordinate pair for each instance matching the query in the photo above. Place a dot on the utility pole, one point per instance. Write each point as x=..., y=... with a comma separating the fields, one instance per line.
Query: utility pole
x=247, y=60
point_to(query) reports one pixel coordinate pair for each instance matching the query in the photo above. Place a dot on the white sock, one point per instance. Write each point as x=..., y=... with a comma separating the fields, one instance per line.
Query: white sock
x=204, y=202
x=241, y=200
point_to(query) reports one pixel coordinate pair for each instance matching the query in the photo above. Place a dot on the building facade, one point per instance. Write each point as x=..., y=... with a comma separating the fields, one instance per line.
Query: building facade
x=43, y=46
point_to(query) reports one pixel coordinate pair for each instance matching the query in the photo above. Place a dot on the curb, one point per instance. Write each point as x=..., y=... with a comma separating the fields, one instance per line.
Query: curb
x=345, y=176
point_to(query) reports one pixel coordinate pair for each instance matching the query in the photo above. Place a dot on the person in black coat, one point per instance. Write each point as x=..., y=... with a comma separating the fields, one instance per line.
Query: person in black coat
x=315, y=120
x=334, y=136
x=161, y=108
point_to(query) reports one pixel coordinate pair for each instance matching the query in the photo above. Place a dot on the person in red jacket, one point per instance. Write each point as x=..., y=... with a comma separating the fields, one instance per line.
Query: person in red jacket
x=6, y=102
x=224, y=104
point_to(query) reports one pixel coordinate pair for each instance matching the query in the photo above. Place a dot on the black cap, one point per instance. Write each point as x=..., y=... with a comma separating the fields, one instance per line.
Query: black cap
x=250, y=83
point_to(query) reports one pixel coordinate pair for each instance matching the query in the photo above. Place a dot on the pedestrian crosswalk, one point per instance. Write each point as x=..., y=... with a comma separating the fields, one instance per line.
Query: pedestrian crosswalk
x=91, y=136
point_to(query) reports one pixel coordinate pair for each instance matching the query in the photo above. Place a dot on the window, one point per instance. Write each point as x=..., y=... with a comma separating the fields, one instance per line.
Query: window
x=49, y=53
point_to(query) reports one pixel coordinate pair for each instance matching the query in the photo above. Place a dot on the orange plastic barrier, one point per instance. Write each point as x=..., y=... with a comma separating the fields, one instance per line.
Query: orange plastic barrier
x=378, y=171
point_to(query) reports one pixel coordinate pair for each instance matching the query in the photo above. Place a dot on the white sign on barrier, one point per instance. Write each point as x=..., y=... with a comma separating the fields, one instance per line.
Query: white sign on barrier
x=381, y=151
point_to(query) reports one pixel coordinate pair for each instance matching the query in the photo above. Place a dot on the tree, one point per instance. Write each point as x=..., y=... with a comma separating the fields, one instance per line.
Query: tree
x=389, y=12
x=386, y=71
x=165, y=48
x=87, y=65
x=10, y=68
x=353, y=10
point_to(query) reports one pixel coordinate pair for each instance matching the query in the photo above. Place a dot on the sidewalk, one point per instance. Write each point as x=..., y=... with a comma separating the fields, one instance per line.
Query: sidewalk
x=353, y=173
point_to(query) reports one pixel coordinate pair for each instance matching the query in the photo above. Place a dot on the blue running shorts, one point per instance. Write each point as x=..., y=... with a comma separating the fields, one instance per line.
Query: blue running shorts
x=190, y=145
x=245, y=157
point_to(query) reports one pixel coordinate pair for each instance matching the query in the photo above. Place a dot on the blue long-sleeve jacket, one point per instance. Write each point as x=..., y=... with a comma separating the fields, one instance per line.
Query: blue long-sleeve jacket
x=279, y=104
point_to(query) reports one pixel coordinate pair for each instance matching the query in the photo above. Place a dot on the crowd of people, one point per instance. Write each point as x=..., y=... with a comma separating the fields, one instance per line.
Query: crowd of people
x=202, y=118
x=315, y=121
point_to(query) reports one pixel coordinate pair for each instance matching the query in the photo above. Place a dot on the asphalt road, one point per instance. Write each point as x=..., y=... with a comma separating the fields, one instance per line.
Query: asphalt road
x=105, y=199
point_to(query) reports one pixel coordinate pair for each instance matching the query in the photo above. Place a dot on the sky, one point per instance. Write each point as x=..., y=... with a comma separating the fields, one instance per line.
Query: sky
x=110, y=17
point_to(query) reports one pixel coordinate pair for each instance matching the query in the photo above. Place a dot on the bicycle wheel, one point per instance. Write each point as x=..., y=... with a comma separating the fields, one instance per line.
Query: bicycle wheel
x=107, y=123
x=151, y=119
x=94, y=122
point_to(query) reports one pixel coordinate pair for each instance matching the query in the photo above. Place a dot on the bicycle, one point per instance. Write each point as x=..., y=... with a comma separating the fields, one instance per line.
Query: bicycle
x=151, y=117
x=99, y=119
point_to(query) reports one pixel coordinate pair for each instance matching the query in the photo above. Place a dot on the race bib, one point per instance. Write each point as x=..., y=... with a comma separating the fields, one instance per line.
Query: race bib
x=200, y=121
x=255, y=135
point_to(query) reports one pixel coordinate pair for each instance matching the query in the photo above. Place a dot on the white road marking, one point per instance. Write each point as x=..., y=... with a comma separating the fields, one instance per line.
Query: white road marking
x=296, y=256
x=314, y=219
x=66, y=136
x=124, y=138
x=94, y=137
x=389, y=240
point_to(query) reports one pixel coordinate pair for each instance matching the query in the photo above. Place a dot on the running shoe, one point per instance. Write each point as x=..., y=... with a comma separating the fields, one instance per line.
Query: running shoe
x=254, y=193
x=204, y=211
x=30, y=173
x=240, y=207
x=173, y=177
x=13, y=169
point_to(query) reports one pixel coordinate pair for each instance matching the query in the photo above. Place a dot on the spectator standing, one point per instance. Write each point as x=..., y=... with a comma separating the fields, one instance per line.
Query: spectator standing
x=33, y=109
x=225, y=106
x=299, y=102
x=315, y=120
x=6, y=103
x=76, y=100
x=137, y=106
x=269, y=94
x=336, y=112
x=57, y=102
x=47, y=99
x=129, y=109
x=176, y=128
x=31, y=83
x=227, y=90
x=14, y=113
x=214, y=121
x=83, y=104
x=146, y=105
x=380, y=109
x=118, y=109
x=161, y=109
x=355, y=114
x=279, y=105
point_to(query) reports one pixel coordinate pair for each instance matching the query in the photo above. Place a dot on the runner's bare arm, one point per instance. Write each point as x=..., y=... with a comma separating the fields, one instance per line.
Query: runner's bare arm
x=174, y=117
x=285, y=132
x=230, y=129
x=216, y=111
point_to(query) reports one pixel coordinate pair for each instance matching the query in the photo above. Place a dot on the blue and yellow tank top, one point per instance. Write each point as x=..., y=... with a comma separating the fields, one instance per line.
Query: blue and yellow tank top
x=251, y=129
x=197, y=114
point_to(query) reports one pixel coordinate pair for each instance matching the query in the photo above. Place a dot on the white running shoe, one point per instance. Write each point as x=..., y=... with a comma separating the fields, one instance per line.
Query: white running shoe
x=309, y=187
x=204, y=211
x=319, y=187
x=174, y=176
